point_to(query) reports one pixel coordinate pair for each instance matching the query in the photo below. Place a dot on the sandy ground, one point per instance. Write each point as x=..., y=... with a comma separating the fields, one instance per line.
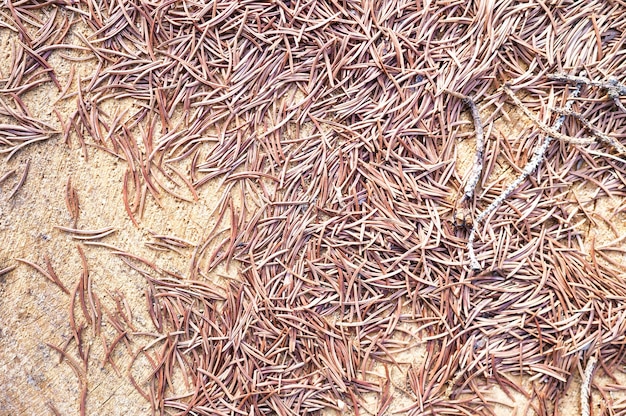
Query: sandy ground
x=34, y=312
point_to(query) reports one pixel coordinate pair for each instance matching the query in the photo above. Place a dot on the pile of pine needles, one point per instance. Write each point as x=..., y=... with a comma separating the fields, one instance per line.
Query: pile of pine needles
x=333, y=128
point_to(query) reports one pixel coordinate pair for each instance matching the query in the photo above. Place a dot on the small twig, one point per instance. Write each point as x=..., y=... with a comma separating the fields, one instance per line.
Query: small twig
x=585, y=386
x=615, y=91
x=530, y=167
x=543, y=126
x=597, y=134
x=601, y=137
x=461, y=210
x=612, y=86
x=477, y=167
x=612, y=83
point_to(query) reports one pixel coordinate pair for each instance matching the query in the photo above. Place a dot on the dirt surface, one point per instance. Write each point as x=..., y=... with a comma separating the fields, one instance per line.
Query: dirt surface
x=34, y=312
